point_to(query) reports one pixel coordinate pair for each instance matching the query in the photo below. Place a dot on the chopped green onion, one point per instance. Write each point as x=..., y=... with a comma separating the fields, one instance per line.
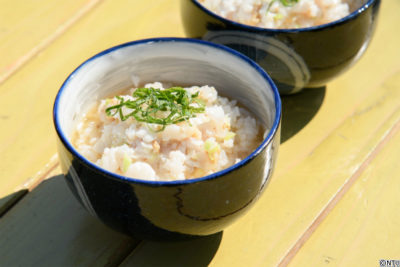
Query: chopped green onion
x=229, y=136
x=108, y=101
x=211, y=147
x=126, y=163
x=286, y=3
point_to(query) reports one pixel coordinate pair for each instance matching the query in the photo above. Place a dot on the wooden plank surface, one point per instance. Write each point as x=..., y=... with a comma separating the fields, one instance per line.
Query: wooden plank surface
x=333, y=138
x=28, y=26
x=364, y=226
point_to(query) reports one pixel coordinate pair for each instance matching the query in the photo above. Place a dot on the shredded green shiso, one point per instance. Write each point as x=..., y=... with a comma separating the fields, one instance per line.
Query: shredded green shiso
x=162, y=107
x=288, y=2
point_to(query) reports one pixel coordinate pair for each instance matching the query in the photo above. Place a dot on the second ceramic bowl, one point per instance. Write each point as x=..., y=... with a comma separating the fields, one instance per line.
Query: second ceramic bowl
x=294, y=58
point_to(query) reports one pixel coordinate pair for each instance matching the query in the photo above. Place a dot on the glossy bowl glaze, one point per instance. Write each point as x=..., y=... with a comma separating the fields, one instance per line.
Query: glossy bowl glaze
x=294, y=58
x=168, y=209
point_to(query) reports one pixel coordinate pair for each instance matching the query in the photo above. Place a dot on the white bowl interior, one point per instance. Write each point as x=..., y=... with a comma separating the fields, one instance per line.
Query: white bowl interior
x=178, y=62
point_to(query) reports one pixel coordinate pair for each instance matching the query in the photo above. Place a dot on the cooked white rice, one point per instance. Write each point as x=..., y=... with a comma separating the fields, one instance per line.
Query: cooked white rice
x=273, y=14
x=221, y=136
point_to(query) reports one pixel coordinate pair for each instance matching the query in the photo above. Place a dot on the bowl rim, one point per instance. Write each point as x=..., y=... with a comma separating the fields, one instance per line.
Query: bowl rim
x=350, y=16
x=266, y=141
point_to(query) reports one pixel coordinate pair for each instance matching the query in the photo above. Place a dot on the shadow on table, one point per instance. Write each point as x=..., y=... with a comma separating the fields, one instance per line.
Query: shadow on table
x=197, y=252
x=299, y=109
x=7, y=202
x=48, y=227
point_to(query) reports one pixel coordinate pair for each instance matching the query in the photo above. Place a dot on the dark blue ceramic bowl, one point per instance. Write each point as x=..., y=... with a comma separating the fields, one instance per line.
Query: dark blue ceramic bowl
x=294, y=58
x=172, y=209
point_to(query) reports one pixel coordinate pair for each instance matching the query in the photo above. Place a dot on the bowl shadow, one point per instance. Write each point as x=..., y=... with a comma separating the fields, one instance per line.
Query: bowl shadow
x=195, y=252
x=50, y=220
x=299, y=109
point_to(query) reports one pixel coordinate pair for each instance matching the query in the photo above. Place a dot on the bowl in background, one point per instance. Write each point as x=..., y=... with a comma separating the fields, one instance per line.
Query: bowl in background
x=294, y=58
x=168, y=209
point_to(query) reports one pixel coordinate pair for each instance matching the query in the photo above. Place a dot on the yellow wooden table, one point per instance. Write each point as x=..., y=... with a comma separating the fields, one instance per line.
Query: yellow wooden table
x=334, y=199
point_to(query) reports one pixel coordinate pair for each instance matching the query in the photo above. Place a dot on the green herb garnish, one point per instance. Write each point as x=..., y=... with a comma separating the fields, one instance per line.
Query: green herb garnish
x=163, y=107
x=288, y=2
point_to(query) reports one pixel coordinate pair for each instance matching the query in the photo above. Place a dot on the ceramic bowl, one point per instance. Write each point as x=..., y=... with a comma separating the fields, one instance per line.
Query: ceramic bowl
x=168, y=209
x=294, y=58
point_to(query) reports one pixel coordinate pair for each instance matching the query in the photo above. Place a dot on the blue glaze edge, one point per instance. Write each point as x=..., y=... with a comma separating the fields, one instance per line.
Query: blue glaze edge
x=352, y=15
x=266, y=141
